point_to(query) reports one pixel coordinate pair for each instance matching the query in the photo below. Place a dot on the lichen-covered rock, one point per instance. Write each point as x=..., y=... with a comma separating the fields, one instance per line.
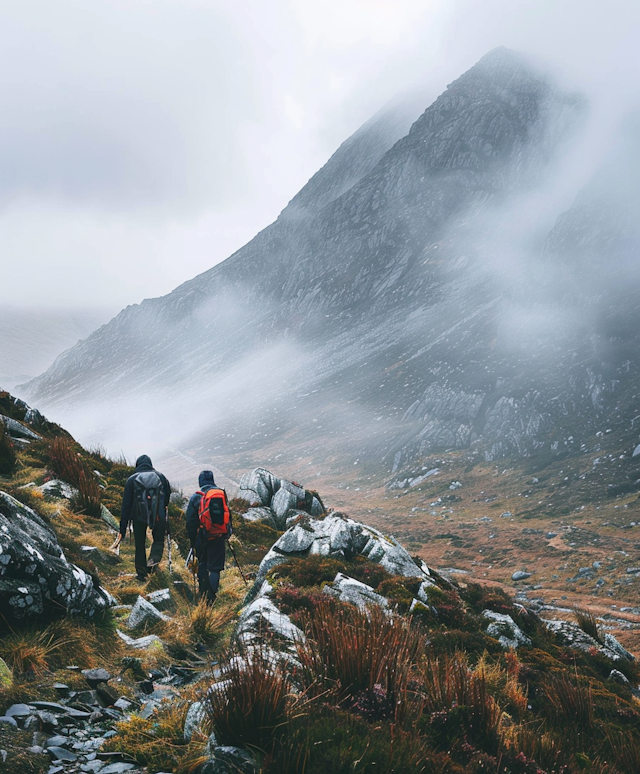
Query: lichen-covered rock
x=161, y=600
x=262, y=616
x=144, y=613
x=57, y=488
x=34, y=572
x=505, y=630
x=355, y=592
x=18, y=430
x=196, y=715
x=261, y=514
x=148, y=642
x=258, y=486
x=571, y=636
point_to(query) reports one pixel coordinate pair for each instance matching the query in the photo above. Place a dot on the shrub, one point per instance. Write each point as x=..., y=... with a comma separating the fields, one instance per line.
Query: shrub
x=66, y=464
x=364, y=658
x=7, y=452
x=249, y=708
x=587, y=621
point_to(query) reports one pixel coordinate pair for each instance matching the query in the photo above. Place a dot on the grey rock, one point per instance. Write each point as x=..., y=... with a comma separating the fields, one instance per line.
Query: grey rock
x=282, y=502
x=617, y=677
x=261, y=514
x=230, y=760
x=123, y=704
x=19, y=710
x=34, y=572
x=572, y=636
x=95, y=676
x=520, y=575
x=161, y=600
x=355, y=592
x=17, y=430
x=57, y=488
x=60, y=754
x=57, y=741
x=505, y=630
x=9, y=720
x=119, y=767
x=148, y=642
x=144, y=613
x=195, y=716
x=262, y=616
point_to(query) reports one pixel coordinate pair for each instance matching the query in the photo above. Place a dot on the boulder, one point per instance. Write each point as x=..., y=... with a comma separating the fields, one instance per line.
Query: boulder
x=571, y=636
x=57, y=488
x=505, y=630
x=35, y=573
x=258, y=486
x=355, y=592
x=17, y=430
x=262, y=514
x=96, y=676
x=262, y=616
x=144, y=613
x=520, y=575
x=615, y=676
x=282, y=502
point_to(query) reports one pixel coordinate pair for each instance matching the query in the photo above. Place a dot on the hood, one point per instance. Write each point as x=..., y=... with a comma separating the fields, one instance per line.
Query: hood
x=206, y=479
x=144, y=463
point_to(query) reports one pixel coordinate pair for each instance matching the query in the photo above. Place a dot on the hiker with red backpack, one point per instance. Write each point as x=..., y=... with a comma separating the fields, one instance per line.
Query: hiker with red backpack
x=209, y=527
x=145, y=502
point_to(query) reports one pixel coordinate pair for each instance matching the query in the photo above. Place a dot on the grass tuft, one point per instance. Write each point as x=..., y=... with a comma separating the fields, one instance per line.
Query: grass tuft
x=587, y=621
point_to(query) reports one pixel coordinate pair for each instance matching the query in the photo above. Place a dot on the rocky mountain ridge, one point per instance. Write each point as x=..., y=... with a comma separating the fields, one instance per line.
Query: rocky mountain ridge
x=374, y=312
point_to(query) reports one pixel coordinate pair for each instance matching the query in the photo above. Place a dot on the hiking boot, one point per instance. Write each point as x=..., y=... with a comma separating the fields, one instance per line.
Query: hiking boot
x=141, y=578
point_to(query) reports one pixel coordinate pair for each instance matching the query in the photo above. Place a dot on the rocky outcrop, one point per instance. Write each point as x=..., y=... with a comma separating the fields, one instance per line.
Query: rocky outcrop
x=35, y=575
x=339, y=536
x=277, y=497
x=505, y=630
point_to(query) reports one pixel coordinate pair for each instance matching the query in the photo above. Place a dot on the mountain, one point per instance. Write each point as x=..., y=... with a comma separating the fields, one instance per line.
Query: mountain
x=30, y=340
x=395, y=308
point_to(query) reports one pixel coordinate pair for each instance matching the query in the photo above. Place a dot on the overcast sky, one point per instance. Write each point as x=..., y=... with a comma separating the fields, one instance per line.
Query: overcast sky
x=143, y=141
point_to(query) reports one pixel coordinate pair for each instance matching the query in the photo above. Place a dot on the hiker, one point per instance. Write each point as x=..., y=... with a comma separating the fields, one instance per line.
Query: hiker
x=145, y=502
x=208, y=527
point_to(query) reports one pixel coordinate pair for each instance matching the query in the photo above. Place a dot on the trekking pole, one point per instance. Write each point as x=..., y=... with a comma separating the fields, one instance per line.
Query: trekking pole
x=169, y=544
x=235, y=559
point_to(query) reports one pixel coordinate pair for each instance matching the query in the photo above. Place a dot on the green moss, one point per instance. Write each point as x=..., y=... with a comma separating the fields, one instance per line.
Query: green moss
x=6, y=676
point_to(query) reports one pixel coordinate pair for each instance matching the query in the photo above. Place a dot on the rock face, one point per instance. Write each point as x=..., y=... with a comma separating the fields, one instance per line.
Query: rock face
x=386, y=264
x=505, y=630
x=572, y=636
x=34, y=573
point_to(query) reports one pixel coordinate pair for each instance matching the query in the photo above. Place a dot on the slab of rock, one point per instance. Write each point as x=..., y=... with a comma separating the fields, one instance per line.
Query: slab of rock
x=150, y=642
x=8, y=720
x=17, y=430
x=19, y=710
x=505, y=630
x=60, y=754
x=144, y=613
x=161, y=600
x=35, y=573
x=355, y=592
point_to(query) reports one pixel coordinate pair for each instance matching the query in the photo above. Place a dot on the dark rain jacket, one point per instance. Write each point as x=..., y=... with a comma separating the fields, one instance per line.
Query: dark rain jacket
x=205, y=482
x=143, y=464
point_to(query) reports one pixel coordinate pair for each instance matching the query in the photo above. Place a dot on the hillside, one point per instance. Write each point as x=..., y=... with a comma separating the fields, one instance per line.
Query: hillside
x=344, y=653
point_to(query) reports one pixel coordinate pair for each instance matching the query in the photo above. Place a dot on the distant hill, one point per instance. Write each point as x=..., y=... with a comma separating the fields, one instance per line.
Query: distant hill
x=31, y=339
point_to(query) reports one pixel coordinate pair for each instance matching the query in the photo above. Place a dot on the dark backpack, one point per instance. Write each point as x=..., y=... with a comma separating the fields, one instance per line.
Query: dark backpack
x=213, y=513
x=148, y=495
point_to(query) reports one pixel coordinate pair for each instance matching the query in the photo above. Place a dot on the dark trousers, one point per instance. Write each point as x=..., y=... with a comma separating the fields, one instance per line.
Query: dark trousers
x=157, y=546
x=211, y=555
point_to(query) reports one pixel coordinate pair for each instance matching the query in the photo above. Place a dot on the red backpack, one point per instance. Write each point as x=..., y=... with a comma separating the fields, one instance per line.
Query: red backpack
x=213, y=513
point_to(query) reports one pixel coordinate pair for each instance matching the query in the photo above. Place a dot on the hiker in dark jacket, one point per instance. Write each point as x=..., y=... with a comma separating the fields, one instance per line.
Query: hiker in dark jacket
x=133, y=510
x=210, y=553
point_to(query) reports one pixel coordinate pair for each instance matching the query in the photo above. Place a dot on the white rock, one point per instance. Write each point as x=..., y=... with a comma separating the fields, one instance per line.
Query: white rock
x=151, y=641
x=350, y=590
x=505, y=630
x=144, y=613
